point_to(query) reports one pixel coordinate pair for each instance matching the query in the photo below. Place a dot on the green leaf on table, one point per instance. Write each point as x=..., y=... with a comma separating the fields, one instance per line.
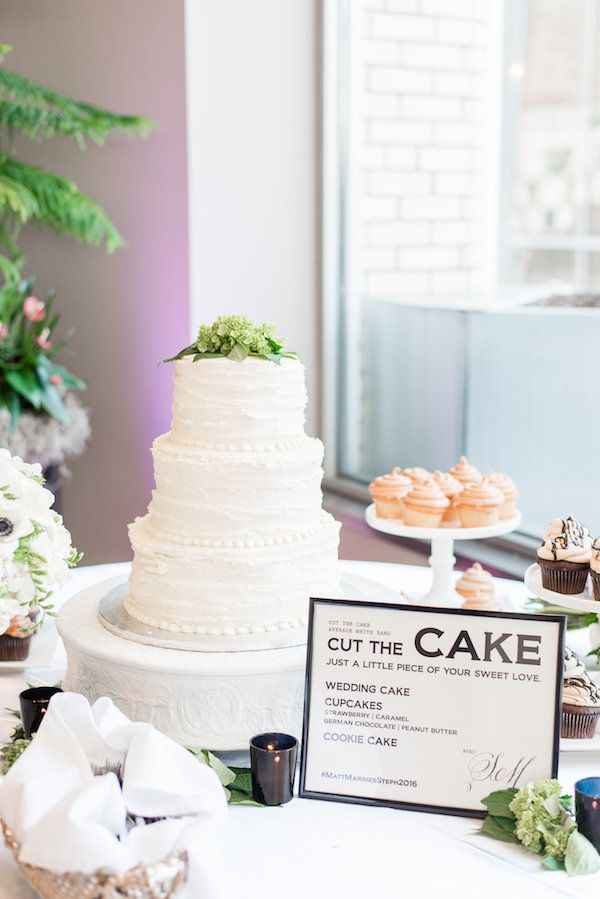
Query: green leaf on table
x=553, y=863
x=580, y=857
x=238, y=798
x=225, y=774
x=238, y=353
x=567, y=802
x=500, y=828
x=498, y=803
x=243, y=780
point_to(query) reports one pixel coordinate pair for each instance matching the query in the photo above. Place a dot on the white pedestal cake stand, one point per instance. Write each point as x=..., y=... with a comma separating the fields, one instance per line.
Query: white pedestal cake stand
x=210, y=700
x=442, y=558
x=579, y=602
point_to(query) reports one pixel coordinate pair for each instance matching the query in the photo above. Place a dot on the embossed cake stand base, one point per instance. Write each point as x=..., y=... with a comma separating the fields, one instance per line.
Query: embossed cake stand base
x=212, y=700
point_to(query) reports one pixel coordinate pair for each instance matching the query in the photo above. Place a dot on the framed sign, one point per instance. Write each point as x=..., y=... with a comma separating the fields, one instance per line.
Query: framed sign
x=428, y=709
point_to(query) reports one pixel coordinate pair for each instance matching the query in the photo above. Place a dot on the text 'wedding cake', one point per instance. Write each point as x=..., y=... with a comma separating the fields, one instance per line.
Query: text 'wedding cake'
x=235, y=540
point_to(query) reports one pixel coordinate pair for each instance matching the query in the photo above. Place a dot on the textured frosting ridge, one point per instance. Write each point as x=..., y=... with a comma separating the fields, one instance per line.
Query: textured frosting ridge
x=566, y=540
x=426, y=495
x=235, y=540
x=464, y=472
x=390, y=486
x=481, y=495
x=447, y=483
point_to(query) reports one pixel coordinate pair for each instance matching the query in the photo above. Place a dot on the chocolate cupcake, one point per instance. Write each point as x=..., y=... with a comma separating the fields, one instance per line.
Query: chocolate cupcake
x=595, y=568
x=580, y=700
x=15, y=642
x=564, y=556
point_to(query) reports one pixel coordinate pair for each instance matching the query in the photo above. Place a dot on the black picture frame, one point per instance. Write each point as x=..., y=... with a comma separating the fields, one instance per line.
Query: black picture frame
x=328, y=796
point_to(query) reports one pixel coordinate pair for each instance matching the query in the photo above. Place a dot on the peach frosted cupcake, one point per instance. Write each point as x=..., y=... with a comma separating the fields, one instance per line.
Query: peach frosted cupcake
x=479, y=505
x=417, y=475
x=424, y=505
x=506, y=485
x=464, y=472
x=451, y=488
x=476, y=587
x=388, y=492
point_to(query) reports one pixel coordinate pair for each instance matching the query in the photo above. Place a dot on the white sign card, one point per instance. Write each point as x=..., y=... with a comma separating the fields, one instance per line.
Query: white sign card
x=428, y=708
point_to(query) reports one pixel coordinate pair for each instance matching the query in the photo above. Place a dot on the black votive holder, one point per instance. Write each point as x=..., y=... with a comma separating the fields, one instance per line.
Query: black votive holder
x=34, y=703
x=273, y=763
x=587, y=809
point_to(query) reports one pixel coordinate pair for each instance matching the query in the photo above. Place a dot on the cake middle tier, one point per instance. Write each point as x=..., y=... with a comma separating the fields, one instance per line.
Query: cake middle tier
x=231, y=590
x=203, y=496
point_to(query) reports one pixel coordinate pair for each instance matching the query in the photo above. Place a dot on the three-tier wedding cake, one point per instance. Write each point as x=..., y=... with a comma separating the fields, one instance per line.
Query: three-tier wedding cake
x=235, y=540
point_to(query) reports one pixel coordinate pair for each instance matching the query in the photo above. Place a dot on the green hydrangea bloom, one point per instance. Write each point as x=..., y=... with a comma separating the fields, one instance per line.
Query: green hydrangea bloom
x=543, y=825
x=229, y=330
x=10, y=753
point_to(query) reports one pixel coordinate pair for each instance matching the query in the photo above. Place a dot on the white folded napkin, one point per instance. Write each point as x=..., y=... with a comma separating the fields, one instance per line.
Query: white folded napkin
x=67, y=819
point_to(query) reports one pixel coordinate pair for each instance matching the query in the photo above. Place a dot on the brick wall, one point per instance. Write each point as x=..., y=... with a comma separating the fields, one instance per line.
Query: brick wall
x=421, y=113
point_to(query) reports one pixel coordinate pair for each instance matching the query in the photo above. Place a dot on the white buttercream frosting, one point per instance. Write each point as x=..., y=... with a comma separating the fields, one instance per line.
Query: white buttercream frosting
x=235, y=540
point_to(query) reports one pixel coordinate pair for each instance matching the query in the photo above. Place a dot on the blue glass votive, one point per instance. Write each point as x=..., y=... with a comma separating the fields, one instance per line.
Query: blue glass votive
x=587, y=809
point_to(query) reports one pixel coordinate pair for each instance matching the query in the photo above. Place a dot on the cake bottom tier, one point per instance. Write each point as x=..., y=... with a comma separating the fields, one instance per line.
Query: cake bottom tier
x=231, y=590
x=212, y=701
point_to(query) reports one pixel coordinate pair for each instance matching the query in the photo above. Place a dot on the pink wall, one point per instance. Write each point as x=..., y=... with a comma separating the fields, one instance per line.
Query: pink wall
x=130, y=309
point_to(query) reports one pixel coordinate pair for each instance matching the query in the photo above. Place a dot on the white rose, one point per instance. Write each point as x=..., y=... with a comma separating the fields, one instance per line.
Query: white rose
x=8, y=609
x=54, y=545
x=594, y=633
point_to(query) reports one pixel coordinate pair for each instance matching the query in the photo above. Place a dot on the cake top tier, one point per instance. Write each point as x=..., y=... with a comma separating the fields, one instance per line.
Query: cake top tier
x=220, y=401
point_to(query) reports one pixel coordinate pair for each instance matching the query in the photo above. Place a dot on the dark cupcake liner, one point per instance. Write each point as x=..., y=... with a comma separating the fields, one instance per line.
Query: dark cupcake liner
x=578, y=723
x=14, y=649
x=563, y=577
x=595, y=584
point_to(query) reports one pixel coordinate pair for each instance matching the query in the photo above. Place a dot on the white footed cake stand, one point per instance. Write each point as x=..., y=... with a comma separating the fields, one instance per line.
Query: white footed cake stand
x=579, y=602
x=442, y=558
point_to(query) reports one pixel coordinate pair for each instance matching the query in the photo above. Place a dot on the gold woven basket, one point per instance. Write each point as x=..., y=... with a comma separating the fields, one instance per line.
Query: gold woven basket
x=158, y=881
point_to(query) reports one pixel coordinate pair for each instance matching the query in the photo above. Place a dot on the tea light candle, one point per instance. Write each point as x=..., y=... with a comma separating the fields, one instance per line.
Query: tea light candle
x=587, y=809
x=34, y=703
x=273, y=762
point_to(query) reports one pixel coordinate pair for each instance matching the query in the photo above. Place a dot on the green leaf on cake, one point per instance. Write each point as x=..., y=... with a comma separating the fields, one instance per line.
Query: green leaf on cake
x=238, y=353
x=187, y=351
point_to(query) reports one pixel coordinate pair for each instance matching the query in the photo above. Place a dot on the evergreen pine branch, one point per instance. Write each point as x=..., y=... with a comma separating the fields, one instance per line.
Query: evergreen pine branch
x=61, y=206
x=41, y=123
x=4, y=49
x=24, y=100
x=17, y=198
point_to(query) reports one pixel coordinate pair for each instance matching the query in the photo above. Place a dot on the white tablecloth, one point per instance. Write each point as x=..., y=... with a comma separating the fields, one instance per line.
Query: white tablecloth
x=326, y=849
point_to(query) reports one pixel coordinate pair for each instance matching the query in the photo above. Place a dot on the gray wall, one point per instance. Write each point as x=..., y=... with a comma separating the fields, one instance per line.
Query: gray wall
x=131, y=309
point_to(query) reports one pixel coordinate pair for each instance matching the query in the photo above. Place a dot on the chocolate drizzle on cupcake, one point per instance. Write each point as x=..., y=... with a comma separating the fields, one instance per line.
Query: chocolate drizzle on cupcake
x=572, y=536
x=578, y=687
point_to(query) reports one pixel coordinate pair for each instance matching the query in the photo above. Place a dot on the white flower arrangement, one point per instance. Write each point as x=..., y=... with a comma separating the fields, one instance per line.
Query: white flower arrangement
x=36, y=554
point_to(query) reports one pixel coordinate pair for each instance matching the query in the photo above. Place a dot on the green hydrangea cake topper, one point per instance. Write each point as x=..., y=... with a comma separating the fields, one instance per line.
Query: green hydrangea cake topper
x=236, y=337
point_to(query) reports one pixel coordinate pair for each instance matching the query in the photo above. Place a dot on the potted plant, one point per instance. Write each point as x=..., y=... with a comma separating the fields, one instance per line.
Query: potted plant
x=41, y=418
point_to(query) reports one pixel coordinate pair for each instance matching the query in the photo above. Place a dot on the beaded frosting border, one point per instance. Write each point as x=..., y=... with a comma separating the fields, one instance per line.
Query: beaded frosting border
x=201, y=630
x=247, y=543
